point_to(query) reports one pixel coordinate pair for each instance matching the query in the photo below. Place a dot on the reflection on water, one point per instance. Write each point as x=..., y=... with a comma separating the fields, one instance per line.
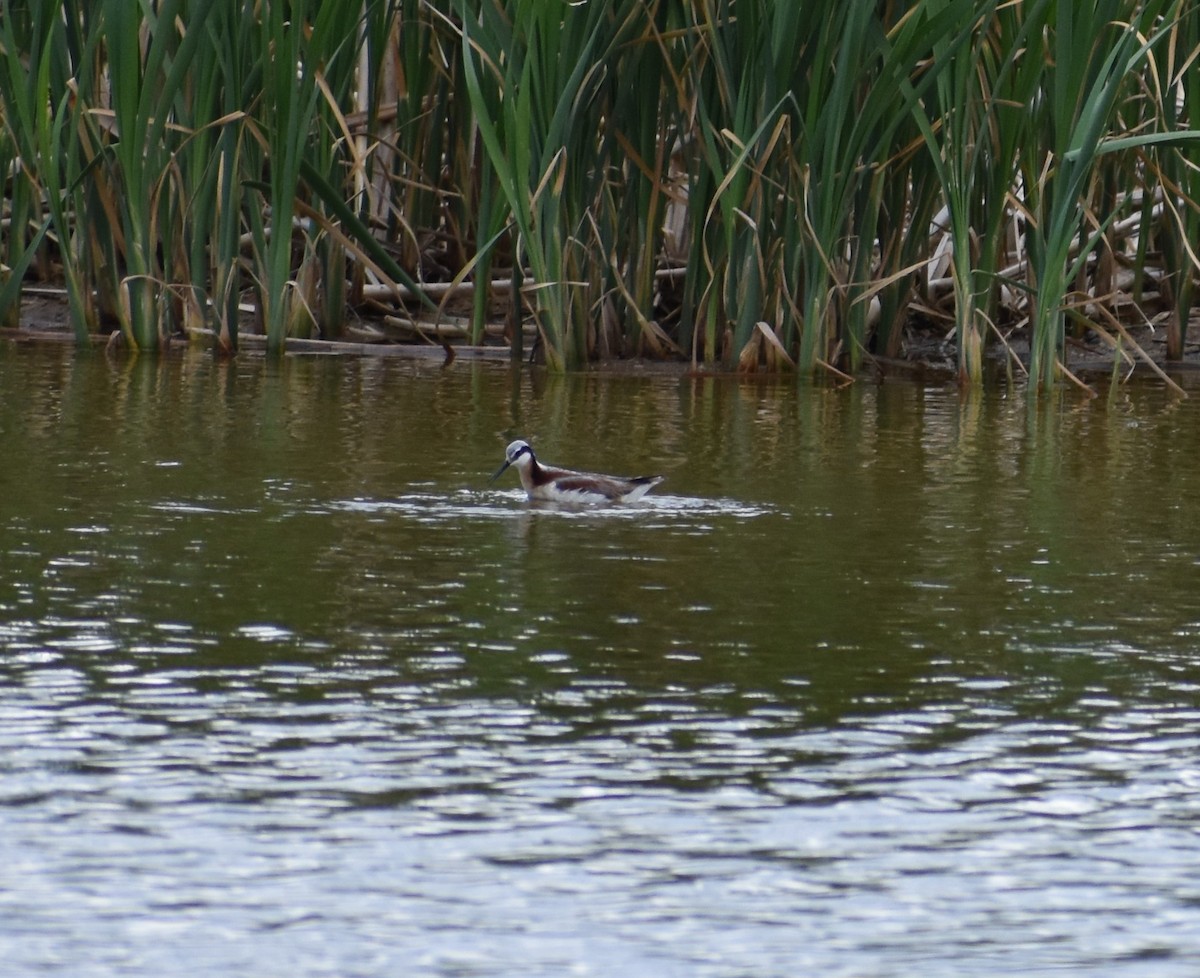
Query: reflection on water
x=882, y=683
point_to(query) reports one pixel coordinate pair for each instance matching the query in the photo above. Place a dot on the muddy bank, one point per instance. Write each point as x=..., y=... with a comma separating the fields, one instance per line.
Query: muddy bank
x=929, y=355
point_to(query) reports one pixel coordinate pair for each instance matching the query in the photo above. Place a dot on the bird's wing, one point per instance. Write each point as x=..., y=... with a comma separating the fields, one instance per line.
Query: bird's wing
x=600, y=485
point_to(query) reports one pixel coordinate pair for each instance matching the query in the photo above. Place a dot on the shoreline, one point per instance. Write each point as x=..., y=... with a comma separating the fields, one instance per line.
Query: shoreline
x=44, y=319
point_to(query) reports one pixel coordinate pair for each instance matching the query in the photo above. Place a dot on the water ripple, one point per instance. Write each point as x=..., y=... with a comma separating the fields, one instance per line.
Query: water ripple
x=899, y=817
x=510, y=504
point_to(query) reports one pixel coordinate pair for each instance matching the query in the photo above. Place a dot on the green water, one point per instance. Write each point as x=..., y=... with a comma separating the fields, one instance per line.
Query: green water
x=880, y=681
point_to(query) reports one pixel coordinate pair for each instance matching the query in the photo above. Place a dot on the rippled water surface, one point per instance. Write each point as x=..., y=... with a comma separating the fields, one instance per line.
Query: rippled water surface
x=880, y=682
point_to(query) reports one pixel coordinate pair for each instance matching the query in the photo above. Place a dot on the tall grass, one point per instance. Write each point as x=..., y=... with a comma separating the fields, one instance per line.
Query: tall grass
x=1174, y=174
x=802, y=186
x=975, y=141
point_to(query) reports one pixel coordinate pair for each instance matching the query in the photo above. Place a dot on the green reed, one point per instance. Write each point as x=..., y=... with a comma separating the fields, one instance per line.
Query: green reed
x=980, y=121
x=533, y=72
x=742, y=182
x=145, y=79
x=1173, y=174
x=26, y=57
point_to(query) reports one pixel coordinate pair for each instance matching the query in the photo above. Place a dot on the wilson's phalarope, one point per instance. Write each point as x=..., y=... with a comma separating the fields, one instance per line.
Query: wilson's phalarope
x=564, y=486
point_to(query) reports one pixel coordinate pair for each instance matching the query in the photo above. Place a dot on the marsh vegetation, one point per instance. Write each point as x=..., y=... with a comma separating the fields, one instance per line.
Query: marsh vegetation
x=738, y=183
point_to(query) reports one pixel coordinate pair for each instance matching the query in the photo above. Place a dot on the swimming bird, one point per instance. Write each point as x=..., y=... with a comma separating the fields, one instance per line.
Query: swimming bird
x=565, y=486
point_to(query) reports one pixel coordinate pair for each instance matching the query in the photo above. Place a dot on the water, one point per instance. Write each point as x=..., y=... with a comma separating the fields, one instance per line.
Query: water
x=880, y=682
